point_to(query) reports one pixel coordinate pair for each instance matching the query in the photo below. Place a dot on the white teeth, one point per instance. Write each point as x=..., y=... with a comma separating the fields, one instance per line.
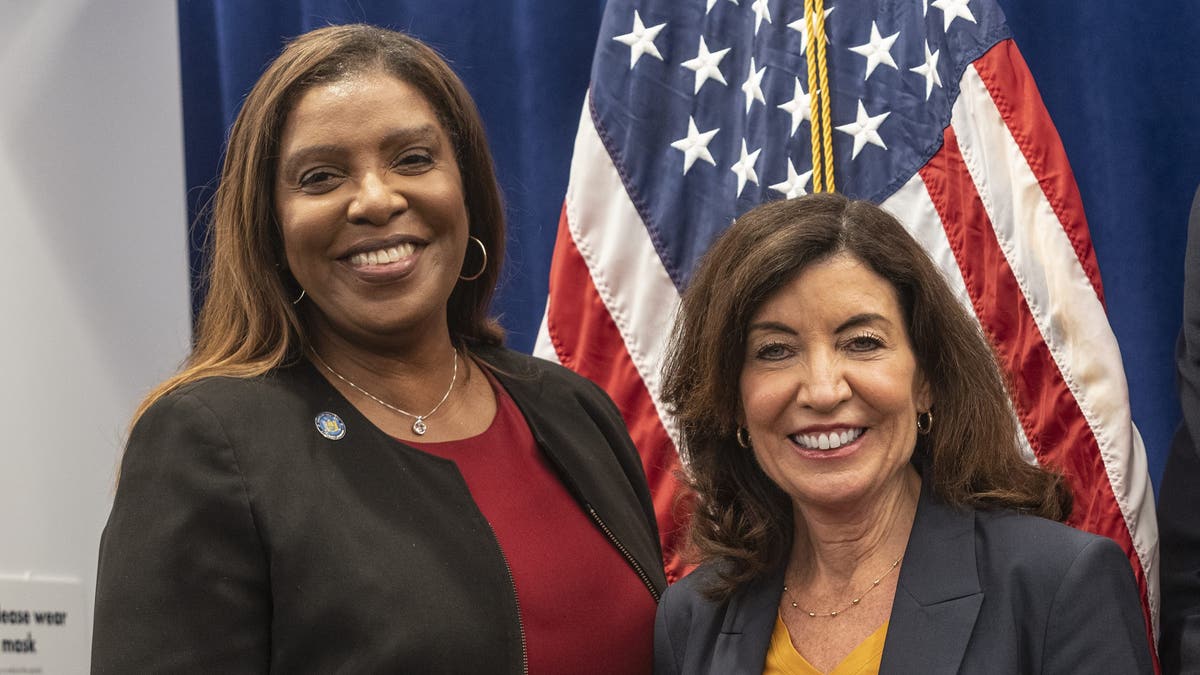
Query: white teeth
x=829, y=441
x=382, y=256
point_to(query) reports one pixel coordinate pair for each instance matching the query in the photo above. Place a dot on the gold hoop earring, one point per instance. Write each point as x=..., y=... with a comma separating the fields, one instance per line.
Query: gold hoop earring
x=299, y=297
x=743, y=437
x=483, y=267
x=925, y=422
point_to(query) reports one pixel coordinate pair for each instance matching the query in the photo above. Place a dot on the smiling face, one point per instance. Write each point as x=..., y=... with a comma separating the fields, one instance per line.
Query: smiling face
x=830, y=387
x=370, y=204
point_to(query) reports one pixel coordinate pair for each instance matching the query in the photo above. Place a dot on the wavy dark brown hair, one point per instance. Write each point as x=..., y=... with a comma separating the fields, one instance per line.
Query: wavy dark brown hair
x=972, y=456
x=247, y=324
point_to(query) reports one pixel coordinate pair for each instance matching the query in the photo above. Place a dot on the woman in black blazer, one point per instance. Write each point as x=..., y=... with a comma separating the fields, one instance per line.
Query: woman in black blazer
x=863, y=505
x=351, y=473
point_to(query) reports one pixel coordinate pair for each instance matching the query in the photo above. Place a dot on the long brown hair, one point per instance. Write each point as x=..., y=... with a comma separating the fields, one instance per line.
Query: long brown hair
x=971, y=457
x=248, y=325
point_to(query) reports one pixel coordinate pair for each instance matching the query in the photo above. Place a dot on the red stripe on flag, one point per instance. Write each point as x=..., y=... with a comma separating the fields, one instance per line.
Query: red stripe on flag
x=1049, y=413
x=588, y=342
x=1004, y=73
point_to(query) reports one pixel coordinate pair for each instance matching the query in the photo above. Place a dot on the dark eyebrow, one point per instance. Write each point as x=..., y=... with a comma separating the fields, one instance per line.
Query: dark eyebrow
x=770, y=326
x=302, y=155
x=864, y=319
x=423, y=132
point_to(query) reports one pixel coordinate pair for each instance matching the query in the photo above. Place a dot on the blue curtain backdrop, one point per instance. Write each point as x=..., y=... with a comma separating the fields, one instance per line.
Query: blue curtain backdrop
x=1120, y=80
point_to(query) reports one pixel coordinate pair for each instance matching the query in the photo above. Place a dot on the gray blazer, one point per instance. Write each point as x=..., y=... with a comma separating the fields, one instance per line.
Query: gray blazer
x=979, y=592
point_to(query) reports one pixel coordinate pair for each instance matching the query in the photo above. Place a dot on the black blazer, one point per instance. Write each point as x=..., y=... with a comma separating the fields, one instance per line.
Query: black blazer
x=989, y=592
x=241, y=540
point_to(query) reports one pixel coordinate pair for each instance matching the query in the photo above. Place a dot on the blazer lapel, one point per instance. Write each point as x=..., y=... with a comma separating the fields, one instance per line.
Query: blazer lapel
x=938, y=594
x=746, y=633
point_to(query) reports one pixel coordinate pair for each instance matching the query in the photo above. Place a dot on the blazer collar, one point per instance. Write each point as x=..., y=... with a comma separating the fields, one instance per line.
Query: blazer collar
x=938, y=594
x=746, y=632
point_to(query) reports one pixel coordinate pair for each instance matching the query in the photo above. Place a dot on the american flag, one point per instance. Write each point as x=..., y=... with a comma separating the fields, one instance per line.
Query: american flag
x=699, y=110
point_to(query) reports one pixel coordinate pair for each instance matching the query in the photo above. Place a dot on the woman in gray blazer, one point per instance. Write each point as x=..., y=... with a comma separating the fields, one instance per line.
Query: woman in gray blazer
x=863, y=504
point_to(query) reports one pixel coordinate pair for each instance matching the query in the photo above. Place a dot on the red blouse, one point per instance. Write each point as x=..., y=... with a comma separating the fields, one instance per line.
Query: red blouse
x=583, y=607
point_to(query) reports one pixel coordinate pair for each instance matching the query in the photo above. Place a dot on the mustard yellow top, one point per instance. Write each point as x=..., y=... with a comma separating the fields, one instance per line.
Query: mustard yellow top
x=783, y=659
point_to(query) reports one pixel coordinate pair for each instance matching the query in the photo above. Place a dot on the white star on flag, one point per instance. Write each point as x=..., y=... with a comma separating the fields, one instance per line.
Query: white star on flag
x=753, y=86
x=799, y=107
x=706, y=65
x=954, y=9
x=929, y=70
x=794, y=185
x=878, y=50
x=864, y=129
x=641, y=40
x=801, y=25
x=744, y=168
x=761, y=11
x=713, y=2
x=695, y=146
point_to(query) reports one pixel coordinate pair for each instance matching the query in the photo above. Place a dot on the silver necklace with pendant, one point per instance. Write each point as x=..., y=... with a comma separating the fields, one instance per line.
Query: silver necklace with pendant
x=418, y=427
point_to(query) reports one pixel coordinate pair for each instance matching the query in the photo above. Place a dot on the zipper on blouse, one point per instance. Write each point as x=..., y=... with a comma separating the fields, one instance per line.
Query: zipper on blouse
x=624, y=551
x=516, y=600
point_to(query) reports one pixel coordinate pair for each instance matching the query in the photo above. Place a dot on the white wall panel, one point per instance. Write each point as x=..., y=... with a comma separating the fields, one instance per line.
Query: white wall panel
x=94, y=284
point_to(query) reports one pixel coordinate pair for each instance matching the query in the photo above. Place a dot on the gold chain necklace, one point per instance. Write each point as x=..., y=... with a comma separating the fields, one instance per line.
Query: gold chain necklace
x=853, y=603
x=419, y=427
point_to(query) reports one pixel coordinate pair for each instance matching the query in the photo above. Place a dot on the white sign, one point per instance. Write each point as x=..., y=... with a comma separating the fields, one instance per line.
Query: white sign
x=42, y=626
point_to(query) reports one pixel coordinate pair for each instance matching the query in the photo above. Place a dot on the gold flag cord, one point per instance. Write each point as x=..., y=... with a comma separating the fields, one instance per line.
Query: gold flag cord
x=821, y=131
